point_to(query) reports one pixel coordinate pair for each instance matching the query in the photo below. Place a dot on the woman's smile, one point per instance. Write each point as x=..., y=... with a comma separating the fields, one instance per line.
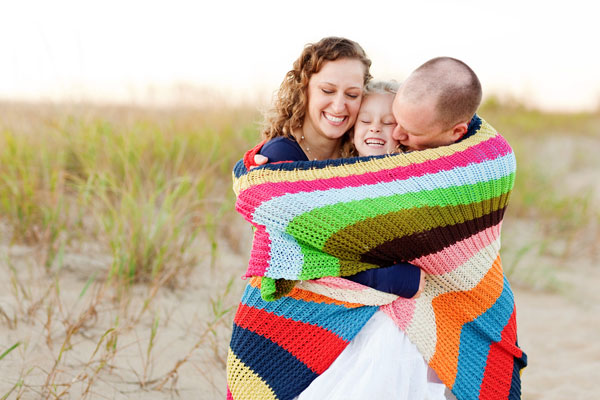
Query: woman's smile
x=333, y=119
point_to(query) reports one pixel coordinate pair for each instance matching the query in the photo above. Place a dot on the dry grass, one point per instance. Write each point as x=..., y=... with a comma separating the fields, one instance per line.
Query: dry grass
x=122, y=253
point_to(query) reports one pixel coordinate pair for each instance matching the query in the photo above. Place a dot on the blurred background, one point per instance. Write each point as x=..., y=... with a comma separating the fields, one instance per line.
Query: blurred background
x=120, y=123
x=162, y=52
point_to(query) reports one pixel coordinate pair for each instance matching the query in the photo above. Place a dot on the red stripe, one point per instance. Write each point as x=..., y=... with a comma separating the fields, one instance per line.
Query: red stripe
x=500, y=363
x=314, y=346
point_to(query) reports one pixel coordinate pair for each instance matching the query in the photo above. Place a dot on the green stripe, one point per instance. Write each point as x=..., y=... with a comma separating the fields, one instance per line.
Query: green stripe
x=314, y=228
x=318, y=264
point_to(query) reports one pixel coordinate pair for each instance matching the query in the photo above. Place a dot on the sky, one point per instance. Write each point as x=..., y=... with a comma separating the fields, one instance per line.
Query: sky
x=541, y=52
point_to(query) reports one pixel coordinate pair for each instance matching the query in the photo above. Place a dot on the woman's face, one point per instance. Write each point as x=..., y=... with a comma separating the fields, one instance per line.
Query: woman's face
x=375, y=125
x=334, y=96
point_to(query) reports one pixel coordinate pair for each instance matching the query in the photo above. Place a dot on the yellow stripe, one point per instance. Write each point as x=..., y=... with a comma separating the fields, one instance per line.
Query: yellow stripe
x=243, y=383
x=268, y=176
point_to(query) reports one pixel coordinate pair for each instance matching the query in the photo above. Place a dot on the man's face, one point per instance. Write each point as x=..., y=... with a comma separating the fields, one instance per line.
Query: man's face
x=417, y=127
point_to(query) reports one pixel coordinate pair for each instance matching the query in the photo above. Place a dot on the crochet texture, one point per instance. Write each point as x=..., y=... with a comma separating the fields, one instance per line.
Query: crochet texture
x=440, y=209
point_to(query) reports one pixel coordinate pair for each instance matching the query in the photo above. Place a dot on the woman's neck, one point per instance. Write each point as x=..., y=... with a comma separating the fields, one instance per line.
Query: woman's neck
x=317, y=147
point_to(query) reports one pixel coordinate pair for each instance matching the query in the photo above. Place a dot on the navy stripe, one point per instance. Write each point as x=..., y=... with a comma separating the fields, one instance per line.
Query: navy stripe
x=283, y=372
x=515, y=385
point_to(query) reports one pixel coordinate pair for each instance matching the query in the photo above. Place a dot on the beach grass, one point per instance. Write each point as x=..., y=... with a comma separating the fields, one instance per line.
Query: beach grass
x=108, y=211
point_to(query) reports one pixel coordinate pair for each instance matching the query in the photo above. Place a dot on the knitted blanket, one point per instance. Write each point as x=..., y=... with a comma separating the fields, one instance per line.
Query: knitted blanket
x=440, y=209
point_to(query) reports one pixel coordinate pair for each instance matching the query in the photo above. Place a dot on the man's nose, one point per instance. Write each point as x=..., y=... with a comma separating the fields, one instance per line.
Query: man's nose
x=398, y=133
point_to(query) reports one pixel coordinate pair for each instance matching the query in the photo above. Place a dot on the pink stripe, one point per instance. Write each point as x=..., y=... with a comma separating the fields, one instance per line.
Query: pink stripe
x=229, y=396
x=260, y=254
x=487, y=150
x=400, y=311
x=452, y=257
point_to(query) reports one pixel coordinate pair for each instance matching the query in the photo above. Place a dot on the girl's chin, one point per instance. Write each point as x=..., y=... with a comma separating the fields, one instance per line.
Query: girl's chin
x=371, y=152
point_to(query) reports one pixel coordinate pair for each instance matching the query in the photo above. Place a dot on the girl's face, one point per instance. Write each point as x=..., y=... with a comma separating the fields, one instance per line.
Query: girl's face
x=334, y=96
x=375, y=125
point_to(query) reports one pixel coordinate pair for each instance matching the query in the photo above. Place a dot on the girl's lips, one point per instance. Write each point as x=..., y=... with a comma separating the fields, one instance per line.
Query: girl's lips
x=375, y=142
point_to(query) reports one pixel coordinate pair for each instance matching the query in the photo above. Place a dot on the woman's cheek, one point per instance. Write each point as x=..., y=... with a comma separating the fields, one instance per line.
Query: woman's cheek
x=354, y=111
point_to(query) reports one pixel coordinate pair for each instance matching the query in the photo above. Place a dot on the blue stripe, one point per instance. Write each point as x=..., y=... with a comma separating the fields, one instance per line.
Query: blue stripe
x=286, y=254
x=283, y=372
x=342, y=321
x=476, y=337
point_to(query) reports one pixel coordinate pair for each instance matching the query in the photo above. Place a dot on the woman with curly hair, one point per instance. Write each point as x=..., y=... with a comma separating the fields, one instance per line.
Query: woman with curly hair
x=317, y=103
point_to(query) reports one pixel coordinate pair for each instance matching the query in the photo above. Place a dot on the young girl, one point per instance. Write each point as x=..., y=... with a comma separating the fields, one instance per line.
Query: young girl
x=375, y=123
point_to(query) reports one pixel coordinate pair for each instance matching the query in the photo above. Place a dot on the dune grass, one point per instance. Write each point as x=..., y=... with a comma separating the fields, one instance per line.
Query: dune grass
x=146, y=195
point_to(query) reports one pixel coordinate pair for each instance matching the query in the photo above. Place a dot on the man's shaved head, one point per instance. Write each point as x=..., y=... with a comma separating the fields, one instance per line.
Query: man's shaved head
x=450, y=84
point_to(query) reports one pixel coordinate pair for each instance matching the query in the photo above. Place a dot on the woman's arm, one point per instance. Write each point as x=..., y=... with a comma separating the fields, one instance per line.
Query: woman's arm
x=282, y=149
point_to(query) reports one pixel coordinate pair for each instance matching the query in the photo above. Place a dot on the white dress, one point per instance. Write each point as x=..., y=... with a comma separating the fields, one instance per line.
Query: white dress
x=380, y=363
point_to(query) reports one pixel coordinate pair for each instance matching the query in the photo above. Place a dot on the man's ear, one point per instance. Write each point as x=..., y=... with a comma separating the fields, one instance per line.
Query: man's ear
x=459, y=130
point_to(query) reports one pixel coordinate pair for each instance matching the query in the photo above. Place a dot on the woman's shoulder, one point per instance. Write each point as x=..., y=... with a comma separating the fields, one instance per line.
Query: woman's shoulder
x=283, y=148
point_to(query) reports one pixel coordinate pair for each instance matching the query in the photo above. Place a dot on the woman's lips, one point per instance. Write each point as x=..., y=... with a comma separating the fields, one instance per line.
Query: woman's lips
x=334, y=120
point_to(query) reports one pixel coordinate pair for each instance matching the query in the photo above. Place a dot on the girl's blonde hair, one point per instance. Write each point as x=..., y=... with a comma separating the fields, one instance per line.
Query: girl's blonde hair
x=290, y=105
x=381, y=87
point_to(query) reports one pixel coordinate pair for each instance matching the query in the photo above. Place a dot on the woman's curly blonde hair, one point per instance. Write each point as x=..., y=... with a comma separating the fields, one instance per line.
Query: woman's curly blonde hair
x=289, y=110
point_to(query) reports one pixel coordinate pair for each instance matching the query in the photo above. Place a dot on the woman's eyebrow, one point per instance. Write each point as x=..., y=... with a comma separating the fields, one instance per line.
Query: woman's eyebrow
x=333, y=84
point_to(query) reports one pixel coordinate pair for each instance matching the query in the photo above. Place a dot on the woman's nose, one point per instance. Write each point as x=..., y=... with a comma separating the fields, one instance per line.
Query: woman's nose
x=339, y=104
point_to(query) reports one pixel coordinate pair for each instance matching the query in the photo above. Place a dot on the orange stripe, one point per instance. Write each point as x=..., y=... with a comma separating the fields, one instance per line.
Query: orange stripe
x=305, y=295
x=453, y=310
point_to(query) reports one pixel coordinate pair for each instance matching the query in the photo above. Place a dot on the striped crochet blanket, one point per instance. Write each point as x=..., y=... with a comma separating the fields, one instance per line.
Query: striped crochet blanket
x=440, y=209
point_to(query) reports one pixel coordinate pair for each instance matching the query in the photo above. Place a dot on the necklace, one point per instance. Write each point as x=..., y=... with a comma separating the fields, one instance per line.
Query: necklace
x=308, y=153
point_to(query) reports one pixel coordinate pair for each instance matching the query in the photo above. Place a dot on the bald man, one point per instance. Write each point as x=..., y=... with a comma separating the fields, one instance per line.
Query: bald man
x=435, y=104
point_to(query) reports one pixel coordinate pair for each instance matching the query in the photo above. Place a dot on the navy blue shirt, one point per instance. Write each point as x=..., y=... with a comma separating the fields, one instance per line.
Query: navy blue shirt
x=400, y=279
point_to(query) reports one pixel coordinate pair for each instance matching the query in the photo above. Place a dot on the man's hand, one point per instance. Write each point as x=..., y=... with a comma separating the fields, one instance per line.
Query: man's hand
x=421, y=286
